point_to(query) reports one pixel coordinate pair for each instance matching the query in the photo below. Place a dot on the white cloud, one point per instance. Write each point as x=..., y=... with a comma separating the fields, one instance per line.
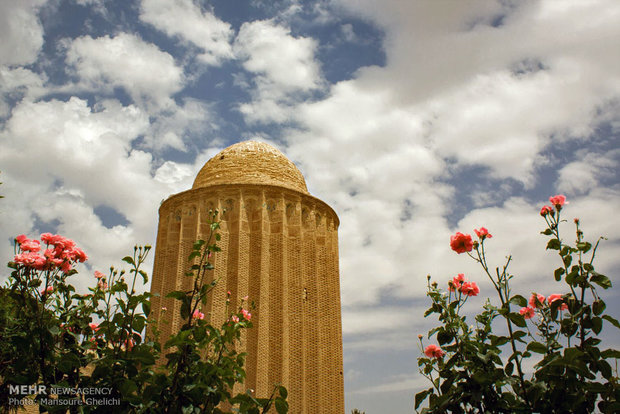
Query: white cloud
x=169, y=128
x=147, y=74
x=73, y=159
x=185, y=19
x=283, y=65
x=16, y=83
x=21, y=31
x=578, y=177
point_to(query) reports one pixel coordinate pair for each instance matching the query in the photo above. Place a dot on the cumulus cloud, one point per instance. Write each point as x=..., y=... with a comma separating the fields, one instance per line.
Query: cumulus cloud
x=21, y=31
x=283, y=65
x=73, y=159
x=586, y=173
x=149, y=75
x=186, y=20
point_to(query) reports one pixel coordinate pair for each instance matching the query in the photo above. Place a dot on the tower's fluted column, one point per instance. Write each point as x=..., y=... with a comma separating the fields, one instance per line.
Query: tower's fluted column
x=279, y=247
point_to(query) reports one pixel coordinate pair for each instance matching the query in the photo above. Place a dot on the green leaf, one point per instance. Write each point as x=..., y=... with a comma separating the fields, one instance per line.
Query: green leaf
x=570, y=277
x=143, y=355
x=598, y=307
x=611, y=320
x=421, y=396
x=547, y=232
x=177, y=294
x=129, y=260
x=518, y=300
x=611, y=353
x=537, y=347
x=145, y=277
x=281, y=406
x=601, y=280
x=554, y=244
x=558, y=273
x=597, y=325
x=68, y=362
x=517, y=319
x=282, y=391
x=127, y=387
x=146, y=308
x=193, y=255
x=584, y=246
x=443, y=337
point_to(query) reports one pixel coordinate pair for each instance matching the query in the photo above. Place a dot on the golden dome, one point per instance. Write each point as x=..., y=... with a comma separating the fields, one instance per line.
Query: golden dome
x=251, y=162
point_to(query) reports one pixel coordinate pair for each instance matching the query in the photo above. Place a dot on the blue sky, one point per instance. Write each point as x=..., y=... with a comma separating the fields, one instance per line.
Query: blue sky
x=411, y=119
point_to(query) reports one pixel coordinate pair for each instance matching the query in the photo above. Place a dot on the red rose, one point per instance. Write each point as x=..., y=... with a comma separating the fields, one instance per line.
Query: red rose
x=461, y=243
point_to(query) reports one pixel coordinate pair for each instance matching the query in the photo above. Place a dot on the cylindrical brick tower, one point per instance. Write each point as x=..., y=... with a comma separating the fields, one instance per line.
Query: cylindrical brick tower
x=279, y=247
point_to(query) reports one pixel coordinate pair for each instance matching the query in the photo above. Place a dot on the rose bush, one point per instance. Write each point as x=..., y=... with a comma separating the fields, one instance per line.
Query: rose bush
x=480, y=368
x=51, y=335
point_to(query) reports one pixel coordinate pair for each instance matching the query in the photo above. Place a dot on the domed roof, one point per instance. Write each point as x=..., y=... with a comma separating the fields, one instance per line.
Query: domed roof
x=251, y=162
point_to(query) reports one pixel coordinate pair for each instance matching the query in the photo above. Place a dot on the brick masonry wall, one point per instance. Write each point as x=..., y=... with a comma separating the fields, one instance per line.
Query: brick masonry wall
x=280, y=248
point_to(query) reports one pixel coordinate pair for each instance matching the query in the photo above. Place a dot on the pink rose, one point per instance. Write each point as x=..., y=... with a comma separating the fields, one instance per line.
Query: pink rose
x=94, y=326
x=461, y=243
x=21, y=238
x=234, y=318
x=483, y=233
x=247, y=315
x=433, y=351
x=99, y=275
x=546, y=210
x=537, y=300
x=557, y=296
x=198, y=315
x=456, y=282
x=470, y=289
x=31, y=259
x=30, y=245
x=558, y=201
x=527, y=312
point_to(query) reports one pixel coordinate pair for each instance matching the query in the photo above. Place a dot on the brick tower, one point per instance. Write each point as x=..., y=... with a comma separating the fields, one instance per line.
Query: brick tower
x=279, y=247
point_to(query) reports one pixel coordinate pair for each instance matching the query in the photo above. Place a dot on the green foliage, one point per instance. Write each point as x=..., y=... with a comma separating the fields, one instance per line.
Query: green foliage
x=51, y=337
x=477, y=371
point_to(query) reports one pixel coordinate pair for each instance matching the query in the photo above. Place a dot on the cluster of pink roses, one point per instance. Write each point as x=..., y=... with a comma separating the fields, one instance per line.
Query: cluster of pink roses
x=556, y=201
x=460, y=284
x=60, y=252
x=538, y=301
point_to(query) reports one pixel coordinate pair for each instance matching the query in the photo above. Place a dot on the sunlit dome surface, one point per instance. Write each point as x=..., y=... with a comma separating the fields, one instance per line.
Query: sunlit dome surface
x=251, y=162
